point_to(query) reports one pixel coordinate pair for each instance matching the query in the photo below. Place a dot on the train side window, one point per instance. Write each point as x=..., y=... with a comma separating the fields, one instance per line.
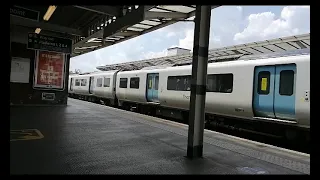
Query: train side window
x=156, y=83
x=263, y=82
x=99, y=82
x=77, y=82
x=212, y=83
x=179, y=83
x=83, y=82
x=106, y=82
x=134, y=82
x=123, y=82
x=222, y=83
x=286, y=82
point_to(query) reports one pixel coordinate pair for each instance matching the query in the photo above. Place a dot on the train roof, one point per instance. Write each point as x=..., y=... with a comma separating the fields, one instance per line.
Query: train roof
x=295, y=52
x=93, y=73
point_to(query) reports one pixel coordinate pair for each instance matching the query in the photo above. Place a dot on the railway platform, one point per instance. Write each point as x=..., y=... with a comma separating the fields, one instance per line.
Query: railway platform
x=87, y=138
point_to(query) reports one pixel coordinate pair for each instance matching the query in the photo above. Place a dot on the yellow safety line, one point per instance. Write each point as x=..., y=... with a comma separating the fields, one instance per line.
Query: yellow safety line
x=27, y=135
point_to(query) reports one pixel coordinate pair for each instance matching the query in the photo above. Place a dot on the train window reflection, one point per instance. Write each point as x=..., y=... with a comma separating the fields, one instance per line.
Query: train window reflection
x=222, y=83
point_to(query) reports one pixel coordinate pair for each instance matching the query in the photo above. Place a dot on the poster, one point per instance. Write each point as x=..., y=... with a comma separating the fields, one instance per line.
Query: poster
x=49, y=70
x=20, y=70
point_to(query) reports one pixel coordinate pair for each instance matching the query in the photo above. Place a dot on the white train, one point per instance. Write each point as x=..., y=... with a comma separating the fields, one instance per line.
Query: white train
x=270, y=92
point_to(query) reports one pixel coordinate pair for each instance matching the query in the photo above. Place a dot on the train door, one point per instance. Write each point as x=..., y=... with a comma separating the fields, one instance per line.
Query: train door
x=156, y=87
x=152, y=87
x=264, y=91
x=71, y=84
x=91, y=85
x=274, y=95
x=284, y=96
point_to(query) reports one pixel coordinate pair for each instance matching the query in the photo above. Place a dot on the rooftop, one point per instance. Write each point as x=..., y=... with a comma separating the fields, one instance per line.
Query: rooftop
x=219, y=54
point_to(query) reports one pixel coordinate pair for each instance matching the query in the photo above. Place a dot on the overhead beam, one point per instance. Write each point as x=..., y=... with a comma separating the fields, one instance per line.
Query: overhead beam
x=82, y=51
x=89, y=44
x=158, y=15
x=127, y=33
x=86, y=48
x=130, y=19
x=44, y=26
x=148, y=30
x=97, y=34
x=145, y=31
x=77, y=52
x=107, y=10
x=193, y=13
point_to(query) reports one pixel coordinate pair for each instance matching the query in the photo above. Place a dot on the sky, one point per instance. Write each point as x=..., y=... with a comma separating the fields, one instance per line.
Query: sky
x=230, y=25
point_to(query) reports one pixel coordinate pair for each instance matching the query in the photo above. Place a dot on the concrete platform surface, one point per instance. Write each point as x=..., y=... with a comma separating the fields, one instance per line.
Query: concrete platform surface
x=87, y=138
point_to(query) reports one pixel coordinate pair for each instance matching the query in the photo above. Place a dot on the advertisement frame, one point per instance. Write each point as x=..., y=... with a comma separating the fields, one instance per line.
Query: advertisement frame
x=48, y=87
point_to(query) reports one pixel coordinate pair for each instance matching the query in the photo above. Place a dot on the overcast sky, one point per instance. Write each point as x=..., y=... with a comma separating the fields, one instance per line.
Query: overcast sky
x=230, y=25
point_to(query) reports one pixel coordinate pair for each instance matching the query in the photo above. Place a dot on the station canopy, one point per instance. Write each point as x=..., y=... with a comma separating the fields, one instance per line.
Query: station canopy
x=137, y=20
x=219, y=54
x=95, y=27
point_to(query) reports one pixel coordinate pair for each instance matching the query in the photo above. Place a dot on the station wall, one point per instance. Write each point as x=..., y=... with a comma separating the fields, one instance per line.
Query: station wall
x=24, y=93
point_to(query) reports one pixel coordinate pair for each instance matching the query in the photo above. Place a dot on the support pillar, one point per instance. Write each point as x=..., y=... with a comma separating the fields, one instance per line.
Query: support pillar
x=198, y=82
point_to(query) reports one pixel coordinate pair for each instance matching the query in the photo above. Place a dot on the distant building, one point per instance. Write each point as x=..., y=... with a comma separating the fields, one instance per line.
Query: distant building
x=177, y=51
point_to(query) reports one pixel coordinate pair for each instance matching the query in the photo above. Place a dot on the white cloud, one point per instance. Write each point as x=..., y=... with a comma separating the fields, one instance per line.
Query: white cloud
x=150, y=55
x=173, y=46
x=293, y=20
x=170, y=34
x=187, y=42
x=223, y=25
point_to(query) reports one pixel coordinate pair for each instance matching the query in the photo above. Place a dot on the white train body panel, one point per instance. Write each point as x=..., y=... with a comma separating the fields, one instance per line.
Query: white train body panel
x=106, y=88
x=132, y=94
x=173, y=99
x=216, y=103
x=82, y=90
x=242, y=93
x=302, y=87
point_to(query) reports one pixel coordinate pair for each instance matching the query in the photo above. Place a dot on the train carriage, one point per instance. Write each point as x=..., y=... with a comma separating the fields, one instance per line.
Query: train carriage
x=269, y=89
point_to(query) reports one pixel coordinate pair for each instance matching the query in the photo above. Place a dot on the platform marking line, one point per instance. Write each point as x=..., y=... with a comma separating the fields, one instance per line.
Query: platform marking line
x=25, y=135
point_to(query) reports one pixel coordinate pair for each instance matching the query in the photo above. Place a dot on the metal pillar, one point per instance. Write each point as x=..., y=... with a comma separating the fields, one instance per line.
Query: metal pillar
x=198, y=83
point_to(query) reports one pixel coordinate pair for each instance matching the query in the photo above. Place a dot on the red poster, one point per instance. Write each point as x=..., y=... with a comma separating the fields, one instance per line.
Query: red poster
x=49, y=70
